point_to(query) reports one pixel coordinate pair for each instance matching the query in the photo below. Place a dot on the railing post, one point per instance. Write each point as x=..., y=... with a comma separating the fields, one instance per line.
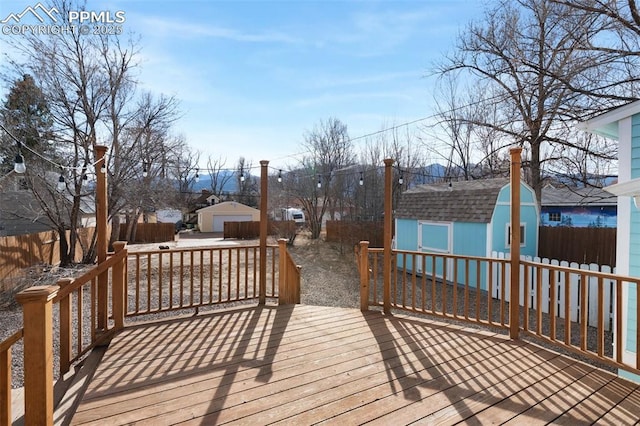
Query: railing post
x=38, y=353
x=264, y=191
x=65, y=327
x=283, y=287
x=364, y=275
x=388, y=213
x=514, y=302
x=118, y=289
x=101, y=230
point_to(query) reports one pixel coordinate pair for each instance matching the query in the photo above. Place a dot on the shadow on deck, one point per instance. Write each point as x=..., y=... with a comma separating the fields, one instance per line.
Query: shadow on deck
x=304, y=364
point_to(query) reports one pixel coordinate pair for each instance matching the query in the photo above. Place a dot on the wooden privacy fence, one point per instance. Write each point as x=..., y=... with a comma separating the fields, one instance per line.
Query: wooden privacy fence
x=251, y=230
x=581, y=245
x=150, y=232
x=557, y=303
x=539, y=277
x=20, y=253
x=352, y=232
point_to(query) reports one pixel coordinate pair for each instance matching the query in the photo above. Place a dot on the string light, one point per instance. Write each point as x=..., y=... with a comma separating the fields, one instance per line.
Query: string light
x=241, y=176
x=319, y=182
x=361, y=179
x=197, y=178
x=19, y=166
x=280, y=176
x=61, y=183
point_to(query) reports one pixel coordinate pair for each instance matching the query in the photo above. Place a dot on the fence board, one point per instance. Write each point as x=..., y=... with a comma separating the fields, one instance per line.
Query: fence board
x=547, y=279
x=582, y=245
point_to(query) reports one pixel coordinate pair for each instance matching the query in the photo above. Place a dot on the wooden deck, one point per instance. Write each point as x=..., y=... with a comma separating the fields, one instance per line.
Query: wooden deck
x=302, y=364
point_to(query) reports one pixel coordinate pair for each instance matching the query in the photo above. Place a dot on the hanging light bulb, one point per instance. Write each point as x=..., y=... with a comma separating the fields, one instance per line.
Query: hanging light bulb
x=280, y=176
x=19, y=166
x=361, y=179
x=61, y=184
x=197, y=176
x=241, y=176
x=145, y=173
x=319, y=182
x=401, y=179
x=84, y=172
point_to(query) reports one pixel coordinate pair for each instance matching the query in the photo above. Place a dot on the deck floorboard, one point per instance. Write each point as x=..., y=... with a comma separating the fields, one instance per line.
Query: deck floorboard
x=309, y=364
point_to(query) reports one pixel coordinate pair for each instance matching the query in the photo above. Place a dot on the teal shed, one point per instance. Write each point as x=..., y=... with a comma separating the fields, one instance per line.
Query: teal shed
x=470, y=218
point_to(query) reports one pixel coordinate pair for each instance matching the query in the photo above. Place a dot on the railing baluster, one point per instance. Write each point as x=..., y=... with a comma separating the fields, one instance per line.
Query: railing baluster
x=445, y=260
x=490, y=291
x=466, y=288
x=455, y=288
x=583, y=311
x=600, y=329
x=160, y=283
x=191, y=274
x=503, y=293
x=553, y=304
x=567, y=308
x=538, y=302
x=433, y=283
x=149, y=270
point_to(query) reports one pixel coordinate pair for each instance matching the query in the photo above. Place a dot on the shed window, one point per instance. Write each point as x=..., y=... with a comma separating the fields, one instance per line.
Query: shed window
x=523, y=229
x=555, y=217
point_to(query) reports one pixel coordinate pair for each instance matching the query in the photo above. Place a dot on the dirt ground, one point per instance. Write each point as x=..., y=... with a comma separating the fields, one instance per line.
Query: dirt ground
x=329, y=273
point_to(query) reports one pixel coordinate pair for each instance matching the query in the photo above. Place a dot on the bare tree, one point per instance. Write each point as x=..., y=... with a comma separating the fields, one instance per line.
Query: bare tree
x=317, y=182
x=535, y=60
x=220, y=177
x=89, y=84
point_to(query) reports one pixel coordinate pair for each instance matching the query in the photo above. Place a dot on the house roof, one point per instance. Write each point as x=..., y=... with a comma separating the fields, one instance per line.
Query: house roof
x=228, y=206
x=606, y=124
x=565, y=196
x=20, y=213
x=465, y=201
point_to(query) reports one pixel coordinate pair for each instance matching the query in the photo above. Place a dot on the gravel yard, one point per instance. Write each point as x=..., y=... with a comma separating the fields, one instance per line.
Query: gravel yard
x=329, y=278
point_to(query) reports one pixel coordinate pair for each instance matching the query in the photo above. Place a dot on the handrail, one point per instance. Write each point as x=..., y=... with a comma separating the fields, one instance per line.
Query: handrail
x=11, y=340
x=77, y=282
x=422, y=282
x=5, y=376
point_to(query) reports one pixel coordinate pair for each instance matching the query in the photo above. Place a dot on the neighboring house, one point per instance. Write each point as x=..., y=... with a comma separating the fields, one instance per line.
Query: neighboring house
x=578, y=207
x=20, y=214
x=212, y=218
x=623, y=124
x=469, y=218
x=205, y=199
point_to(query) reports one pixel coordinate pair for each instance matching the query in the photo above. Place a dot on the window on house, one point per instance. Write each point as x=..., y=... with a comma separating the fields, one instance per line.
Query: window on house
x=522, y=235
x=555, y=217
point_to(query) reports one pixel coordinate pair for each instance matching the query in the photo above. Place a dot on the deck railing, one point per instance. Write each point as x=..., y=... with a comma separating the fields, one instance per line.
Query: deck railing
x=169, y=280
x=137, y=284
x=465, y=288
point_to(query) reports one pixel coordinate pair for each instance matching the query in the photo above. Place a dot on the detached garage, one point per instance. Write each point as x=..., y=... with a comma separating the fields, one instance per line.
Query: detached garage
x=212, y=218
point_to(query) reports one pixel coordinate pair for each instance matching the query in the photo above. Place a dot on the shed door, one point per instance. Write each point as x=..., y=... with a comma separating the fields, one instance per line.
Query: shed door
x=219, y=220
x=435, y=238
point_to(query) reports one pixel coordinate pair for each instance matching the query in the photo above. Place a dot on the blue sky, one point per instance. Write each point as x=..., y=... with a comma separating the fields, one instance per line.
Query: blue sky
x=253, y=76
